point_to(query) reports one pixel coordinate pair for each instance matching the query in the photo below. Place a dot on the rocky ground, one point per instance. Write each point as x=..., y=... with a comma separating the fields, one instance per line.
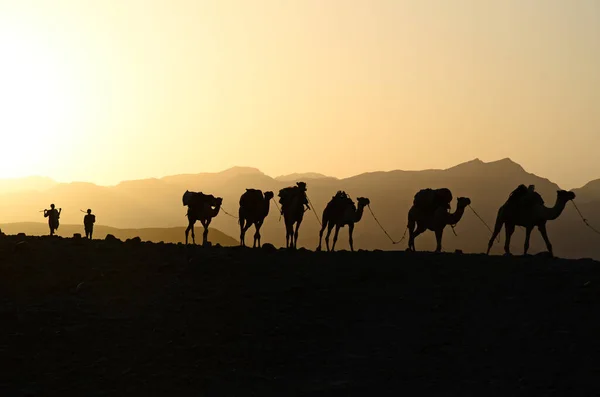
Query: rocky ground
x=98, y=318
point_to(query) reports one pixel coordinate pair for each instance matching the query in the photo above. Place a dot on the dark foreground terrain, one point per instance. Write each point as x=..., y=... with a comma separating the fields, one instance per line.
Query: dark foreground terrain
x=109, y=318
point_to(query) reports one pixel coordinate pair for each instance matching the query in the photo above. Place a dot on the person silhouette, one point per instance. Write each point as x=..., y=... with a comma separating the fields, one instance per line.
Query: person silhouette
x=88, y=224
x=301, y=186
x=53, y=216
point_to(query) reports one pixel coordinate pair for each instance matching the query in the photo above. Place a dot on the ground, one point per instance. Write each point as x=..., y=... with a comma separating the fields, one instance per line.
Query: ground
x=109, y=318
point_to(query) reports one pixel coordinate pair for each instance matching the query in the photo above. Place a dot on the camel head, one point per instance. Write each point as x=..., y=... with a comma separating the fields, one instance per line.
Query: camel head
x=462, y=202
x=363, y=201
x=269, y=195
x=218, y=202
x=186, y=197
x=565, y=196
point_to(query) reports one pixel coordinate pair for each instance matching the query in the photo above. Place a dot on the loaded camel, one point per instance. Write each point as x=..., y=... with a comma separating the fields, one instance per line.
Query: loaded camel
x=201, y=207
x=434, y=217
x=254, y=208
x=526, y=208
x=293, y=201
x=341, y=211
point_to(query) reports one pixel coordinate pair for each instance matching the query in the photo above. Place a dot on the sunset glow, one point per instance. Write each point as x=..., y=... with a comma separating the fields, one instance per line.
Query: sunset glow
x=114, y=90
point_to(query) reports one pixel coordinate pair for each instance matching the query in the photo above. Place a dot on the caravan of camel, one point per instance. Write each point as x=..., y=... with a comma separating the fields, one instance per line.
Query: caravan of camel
x=430, y=211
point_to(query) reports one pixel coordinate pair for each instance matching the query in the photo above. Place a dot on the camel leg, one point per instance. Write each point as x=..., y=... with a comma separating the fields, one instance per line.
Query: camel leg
x=544, y=233
x=323, y=226
x=411, y=229
x=438, y=238
x=289, y=232
x=296, y=234
x=187, y=231
x=242, y=232
x=497, y=230
x=205, y=224
x=420, y=230
x=527, y=237
x=257, y=225
x=509, y=228
x=350, y=240
x=335, y=237
x=329, y=229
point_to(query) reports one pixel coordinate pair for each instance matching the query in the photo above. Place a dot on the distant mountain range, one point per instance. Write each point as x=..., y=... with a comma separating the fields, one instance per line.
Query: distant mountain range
x=156, y=203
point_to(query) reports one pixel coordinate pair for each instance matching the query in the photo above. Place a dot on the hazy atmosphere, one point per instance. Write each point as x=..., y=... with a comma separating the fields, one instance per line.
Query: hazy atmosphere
x=104, y=91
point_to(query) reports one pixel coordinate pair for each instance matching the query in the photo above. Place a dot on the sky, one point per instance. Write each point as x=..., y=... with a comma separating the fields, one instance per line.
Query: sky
x=109, y=90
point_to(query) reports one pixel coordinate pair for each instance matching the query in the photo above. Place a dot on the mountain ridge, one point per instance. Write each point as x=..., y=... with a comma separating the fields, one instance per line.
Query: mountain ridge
x=246, y=170
x=156, y=202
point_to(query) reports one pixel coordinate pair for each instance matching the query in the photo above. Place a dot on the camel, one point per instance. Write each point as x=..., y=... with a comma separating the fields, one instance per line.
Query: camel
x=201, y=208
x=293, y=199
x=529, y=216
x=339, y=212
x=254, y=208
x=435, y=221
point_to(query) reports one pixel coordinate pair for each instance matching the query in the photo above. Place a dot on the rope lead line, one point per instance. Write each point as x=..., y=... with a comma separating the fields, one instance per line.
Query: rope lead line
x=386, y=233
x=313, y=210
x=278, y=210
x=482, y=221
x=233, y=216
x=583, y=219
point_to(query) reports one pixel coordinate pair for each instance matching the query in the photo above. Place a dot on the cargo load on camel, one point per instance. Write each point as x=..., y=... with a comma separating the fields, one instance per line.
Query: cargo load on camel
x=252, y=198
x=525, y=197
x=339, y=203
x=197, y=199
x=432, y=199
x=287, y=194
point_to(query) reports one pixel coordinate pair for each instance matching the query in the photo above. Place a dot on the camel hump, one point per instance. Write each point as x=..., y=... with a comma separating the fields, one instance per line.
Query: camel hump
x=526, y=196
x=340, y=200
x=195, y=199
x=251, y=197
x=429, y=199
x=288, y=193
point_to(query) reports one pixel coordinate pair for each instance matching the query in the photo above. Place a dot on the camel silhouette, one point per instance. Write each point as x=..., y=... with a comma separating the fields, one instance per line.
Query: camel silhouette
x=435, y=221
x=293, y=199
x=528, y=211
x=341, y=211
x=254, y=208
x=201, y=207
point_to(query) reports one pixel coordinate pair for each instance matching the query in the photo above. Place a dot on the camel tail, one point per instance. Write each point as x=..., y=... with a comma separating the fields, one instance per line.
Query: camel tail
x=410, y=222
x=497, y=228
x=324, y=219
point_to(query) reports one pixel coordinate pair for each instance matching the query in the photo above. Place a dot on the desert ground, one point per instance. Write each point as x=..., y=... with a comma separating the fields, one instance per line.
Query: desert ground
x=100, y=318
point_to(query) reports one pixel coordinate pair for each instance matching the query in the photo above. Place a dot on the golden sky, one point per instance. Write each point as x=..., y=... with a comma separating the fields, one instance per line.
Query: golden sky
x=106, y=90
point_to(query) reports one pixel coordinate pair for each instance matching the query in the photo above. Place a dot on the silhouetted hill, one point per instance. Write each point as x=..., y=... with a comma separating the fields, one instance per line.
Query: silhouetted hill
x=166, y=235
x=589, y=192
x=157, y=203
x=302, y=177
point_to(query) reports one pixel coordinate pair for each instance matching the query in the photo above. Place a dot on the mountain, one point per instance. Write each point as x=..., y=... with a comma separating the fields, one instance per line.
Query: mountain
x=589, y=192
x=302, y=177
x=156, y=203
x=31, y=183
x=167, y=235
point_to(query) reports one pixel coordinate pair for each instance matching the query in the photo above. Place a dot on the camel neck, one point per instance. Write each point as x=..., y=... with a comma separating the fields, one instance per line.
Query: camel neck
x=455, y=217
x=359, y=213
x=554, y=212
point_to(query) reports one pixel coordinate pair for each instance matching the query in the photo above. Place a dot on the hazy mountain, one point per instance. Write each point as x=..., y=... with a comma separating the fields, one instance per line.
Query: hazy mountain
x=31, y=183
x=589, y=192
x=302, y=177
x=167, y=235
x=157, y=203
